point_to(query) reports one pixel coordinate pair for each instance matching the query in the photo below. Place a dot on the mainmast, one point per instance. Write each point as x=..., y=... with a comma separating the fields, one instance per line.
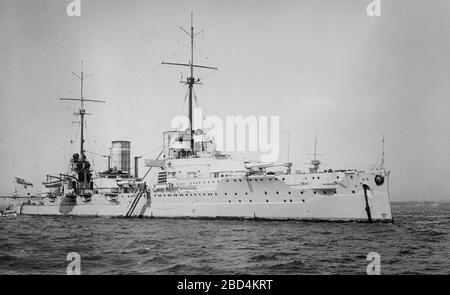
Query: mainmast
x=191, y=81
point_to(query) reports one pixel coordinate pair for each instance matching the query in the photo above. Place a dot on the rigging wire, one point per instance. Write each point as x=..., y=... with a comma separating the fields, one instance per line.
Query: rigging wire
x=158, y=66
x=153, y=150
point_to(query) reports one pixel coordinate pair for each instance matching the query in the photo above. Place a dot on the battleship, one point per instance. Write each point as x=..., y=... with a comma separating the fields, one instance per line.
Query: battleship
x=114, y=192
x=196, y=180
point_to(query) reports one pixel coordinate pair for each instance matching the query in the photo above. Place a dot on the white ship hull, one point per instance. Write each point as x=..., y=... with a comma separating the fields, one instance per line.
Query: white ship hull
x=332, y=208
x=11, y=201
x=272, y=198
x=99, y=205
x=264, y=197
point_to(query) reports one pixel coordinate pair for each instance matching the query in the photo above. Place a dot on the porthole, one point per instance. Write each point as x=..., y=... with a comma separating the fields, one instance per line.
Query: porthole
x=353, y=191
x=267, y=201
x=289, y=193
x=235, y=194
x=265, y=193
x=290, y=201
x=301, y=192
x=278, y=193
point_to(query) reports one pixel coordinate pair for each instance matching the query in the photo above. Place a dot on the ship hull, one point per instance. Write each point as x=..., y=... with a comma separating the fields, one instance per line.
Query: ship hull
x=11, y=201
x=96, y=206
x=355, y=198
x=334, y=196
x=332, y=208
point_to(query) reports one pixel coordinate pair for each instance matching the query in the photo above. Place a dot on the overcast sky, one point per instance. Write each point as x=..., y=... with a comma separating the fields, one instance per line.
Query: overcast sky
x=315, y=64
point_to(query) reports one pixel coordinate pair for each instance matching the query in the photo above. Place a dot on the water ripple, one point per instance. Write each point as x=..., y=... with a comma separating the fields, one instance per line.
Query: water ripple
x=418, y=243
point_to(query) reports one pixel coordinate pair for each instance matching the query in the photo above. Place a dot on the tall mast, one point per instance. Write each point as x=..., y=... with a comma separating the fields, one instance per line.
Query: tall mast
x=315, y=147
x=288, y=144
x=190, y=81
x=82, y=111
x=315, y=162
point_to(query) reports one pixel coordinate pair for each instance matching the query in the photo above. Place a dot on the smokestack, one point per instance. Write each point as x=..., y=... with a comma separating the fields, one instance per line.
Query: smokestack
x=120, y=155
